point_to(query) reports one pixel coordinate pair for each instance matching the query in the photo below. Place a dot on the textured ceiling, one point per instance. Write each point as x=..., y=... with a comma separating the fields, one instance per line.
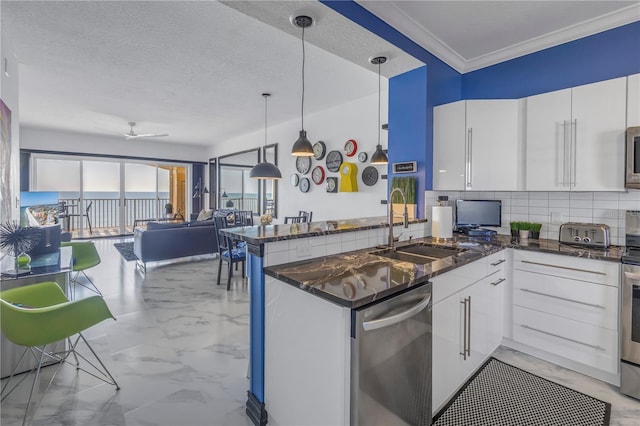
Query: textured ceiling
x=194, y=70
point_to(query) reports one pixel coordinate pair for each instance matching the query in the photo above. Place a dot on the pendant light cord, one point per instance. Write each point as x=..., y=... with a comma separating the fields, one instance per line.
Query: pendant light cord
x=265, y=122
x=379, y=104
x=303, y=60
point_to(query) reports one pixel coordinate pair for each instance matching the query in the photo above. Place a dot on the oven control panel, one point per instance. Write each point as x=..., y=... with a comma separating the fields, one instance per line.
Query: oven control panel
x=586, y=234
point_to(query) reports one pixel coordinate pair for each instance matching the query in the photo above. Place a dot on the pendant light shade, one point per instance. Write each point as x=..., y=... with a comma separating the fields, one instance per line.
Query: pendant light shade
x=379, y=157
x=265, y=170
x=302, y=147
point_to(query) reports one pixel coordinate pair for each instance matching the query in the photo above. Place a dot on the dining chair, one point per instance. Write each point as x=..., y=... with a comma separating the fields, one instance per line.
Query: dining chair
x=85, y=214
x=294, y=219
x=85, y=256
x=231, y=252
x=37, y=315
x=63, y=214
x=306, y=214
x=244, y=218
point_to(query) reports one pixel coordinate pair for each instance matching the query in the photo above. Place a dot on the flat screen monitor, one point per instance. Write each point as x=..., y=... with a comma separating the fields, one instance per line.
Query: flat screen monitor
x=474, y=213
x=38, y=208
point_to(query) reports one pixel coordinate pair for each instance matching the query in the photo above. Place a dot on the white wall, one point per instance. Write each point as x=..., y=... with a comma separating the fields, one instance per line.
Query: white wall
x=354, y=120
x=57, y=140
x=9, y=95
x=554, y=208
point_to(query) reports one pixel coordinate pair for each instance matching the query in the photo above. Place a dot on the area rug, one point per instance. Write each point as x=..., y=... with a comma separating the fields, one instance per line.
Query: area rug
x=500, y=394
x=126, y=250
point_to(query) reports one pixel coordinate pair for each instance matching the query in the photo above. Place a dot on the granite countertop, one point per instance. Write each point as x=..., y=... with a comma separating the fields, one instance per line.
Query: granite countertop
x=357, y=278
x=269, y=233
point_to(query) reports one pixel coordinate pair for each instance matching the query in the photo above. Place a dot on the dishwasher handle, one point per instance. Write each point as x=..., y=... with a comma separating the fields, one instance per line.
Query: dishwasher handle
x=395, y=319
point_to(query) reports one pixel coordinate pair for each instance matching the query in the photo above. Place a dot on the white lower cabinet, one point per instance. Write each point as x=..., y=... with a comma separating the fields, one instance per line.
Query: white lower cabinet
x=467, y=325
x=567, y=308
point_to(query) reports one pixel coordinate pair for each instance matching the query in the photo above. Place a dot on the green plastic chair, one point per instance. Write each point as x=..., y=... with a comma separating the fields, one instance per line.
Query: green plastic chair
x=37, y=315
x=85, y=256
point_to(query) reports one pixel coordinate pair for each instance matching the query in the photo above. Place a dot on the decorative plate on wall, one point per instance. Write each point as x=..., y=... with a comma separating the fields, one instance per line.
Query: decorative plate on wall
x=351, y=147
x=334, y=159
x=295, y=179
x=319, y=150
x=317, y=175
x=303, y=165
x=370, y=175
x=304, y=184
x=332, y=184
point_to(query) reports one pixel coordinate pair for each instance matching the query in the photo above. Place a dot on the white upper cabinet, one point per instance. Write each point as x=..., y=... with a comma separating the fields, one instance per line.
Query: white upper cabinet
x=449, y=143
x=575, y=138
x=476, y=145
x=633, y=100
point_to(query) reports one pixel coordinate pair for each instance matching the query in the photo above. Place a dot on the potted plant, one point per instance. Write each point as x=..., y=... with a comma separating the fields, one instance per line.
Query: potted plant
x=408, y=187
x=534, y=232
x=168, y=208
x=515, y=227
x=523, y=229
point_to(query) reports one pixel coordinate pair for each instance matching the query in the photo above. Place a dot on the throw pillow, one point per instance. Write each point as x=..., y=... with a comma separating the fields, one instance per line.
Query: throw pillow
x=205, y=214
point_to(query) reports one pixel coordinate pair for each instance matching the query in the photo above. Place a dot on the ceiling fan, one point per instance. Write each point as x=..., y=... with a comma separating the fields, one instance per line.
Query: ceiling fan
x=134, y=135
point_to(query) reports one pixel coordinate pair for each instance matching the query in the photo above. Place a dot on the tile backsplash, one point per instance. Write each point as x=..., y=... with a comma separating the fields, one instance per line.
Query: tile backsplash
x=553, y=208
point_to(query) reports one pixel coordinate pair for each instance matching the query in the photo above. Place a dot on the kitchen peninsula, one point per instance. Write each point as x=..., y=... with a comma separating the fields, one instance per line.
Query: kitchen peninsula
x=339, y=268
x=270, y=245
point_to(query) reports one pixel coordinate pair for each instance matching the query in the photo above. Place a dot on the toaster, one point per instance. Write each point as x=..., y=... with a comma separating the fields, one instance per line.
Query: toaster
x=585, y=234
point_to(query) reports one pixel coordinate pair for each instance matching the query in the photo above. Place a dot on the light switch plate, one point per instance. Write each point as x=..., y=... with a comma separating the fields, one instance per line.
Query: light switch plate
x=557, y=218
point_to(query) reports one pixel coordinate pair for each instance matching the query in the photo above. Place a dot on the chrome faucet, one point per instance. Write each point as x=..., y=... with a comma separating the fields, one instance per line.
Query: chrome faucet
x=405, y=215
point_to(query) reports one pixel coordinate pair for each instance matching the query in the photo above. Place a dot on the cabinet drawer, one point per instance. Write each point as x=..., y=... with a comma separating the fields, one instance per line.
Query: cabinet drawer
x=596, y=271
x=455, y=280
x=496, y=262
x=594, y=304
x=587, y=344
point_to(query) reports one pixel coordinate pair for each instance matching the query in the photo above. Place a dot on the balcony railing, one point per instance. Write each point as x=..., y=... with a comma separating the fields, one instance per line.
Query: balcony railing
x=105, y=212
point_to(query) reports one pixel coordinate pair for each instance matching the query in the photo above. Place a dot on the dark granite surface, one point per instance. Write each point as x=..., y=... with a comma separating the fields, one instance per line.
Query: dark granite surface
x=357, y=278
x=269, y=233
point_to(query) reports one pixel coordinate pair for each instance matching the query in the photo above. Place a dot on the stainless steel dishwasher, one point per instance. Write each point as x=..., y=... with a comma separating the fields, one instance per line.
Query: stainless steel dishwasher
x=391, y=360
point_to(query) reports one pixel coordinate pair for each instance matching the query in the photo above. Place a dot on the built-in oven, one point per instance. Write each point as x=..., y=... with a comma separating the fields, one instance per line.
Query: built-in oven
x=632, y=179
x=630, y=365
x=630, y=312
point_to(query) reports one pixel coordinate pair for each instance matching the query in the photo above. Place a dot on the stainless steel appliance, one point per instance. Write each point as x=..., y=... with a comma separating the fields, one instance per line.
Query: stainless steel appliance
x=585, y=234
x=630, y=355
x=391, y=360
x=632, y=179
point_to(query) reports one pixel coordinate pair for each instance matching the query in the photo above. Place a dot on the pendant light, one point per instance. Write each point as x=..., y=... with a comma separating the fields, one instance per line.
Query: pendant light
x=379, y=157
x=302, y=147
x=265, y=170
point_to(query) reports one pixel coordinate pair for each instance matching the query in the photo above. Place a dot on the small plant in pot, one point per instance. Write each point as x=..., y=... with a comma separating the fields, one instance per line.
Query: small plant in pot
x=515, y=227
x=534, y=232
x=524, y=229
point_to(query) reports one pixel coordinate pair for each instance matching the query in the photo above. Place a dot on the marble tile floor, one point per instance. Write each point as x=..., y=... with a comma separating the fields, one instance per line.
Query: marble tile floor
x=179, y=350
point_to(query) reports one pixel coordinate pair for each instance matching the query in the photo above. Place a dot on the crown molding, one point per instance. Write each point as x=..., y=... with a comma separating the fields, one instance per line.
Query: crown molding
x=427, y=40
x=580, y=30
x=405, y=24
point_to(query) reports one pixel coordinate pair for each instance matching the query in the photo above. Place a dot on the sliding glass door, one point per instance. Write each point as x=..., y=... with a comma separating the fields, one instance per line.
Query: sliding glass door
x=106, y=196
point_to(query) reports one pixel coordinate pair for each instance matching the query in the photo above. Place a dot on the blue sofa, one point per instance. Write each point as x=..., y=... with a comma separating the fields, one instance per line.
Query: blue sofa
x=162, y=241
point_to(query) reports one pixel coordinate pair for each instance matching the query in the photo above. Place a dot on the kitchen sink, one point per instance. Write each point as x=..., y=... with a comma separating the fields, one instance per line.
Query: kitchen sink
x=419, y=254
x=430, y=251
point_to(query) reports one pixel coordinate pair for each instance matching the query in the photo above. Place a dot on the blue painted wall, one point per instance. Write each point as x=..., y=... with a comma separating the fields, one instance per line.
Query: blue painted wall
x=603, y=56
x=408, y=134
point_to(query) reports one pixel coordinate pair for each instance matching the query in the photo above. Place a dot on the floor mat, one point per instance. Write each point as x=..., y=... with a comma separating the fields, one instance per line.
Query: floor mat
x=126, y=250
x=500, y=394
